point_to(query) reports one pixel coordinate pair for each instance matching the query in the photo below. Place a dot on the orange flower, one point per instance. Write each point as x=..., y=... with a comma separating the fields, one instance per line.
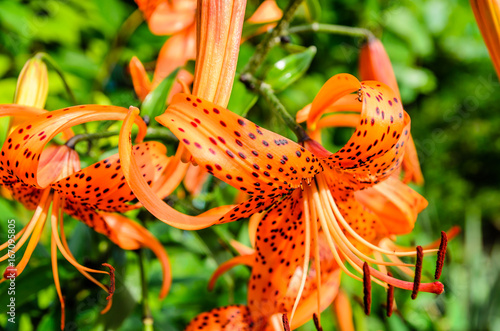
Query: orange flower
x=487, y=13
x=39, y=177
x=167, y=17
x=374, y=64
x=271, y=169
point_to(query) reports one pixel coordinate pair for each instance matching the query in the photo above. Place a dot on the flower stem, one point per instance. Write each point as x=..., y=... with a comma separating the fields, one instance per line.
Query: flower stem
x=71, y=143
x=53, y=64
x=267, y=93
x=271, y=39
x=333, y=29
x=153, y=133
x=147, y=318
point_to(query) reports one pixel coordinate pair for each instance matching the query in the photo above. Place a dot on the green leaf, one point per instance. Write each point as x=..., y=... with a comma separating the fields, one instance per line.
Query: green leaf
x=312, y=10
x=287, y=70
x=154, y=103
x=241, y=98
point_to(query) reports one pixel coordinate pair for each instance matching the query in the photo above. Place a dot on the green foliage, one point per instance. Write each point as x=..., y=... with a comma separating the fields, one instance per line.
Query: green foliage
x=448, y=87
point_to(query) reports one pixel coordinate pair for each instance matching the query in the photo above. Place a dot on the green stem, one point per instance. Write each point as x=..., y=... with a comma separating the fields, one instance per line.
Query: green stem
x=153, y=133
x=147, y=318
x=71, y=143
x=333, y=29
x=271, y=39
x=126, y=29
x=267, y=93
x=53, y=64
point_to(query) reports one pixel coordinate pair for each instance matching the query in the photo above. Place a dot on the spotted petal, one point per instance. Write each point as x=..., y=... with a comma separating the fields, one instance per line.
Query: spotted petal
x=230, y=318
x=237, y=151
x=20, y=155
x=102, y=185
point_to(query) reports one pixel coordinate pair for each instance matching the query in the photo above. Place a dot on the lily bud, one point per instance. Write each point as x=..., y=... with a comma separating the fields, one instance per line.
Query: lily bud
x=487, y=13
x=374, y=64
x=219, y=26
x=32, y=84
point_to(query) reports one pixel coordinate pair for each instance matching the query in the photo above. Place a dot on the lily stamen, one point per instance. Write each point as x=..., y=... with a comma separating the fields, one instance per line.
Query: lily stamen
x=367, y=289
x=441, y=255
x=418, y=272
x=390, y=298
x=317, y=323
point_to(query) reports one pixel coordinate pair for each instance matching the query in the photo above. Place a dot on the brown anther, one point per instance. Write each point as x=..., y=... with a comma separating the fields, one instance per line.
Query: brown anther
x=367, y=288
x=10, y=272
x=441, y=255
x=418, y=272
x=390, y=297
x=316, y=322
x=111, y=287
x=286, y=324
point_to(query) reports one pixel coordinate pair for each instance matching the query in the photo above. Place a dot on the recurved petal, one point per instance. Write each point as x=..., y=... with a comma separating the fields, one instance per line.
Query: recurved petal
x=21, y=153
x=140, y=79
x=235, y=150
x=334, y=89
x=103, y=186
x=147, y=196
x=376, y=148
x=395, y=203
x=411, y=165
x=131, y=236
x=228, y=318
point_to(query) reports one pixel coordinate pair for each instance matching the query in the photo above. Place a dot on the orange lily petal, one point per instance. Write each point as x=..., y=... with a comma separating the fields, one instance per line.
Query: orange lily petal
x=154, y=204
x=268, y=11
x=169, y=17
x=411, y=165
x=237, y=151
x=280, y=254
x=27, y=142
x=228, y=318
x=194, y=179
x=396, y=204
x=343, y=312
x=129, y=235
x=335, y=88
x=102, y=185
x=140, y=79
x=229, y=264
x=376, y=148
x=176, y=51
x=487, y=13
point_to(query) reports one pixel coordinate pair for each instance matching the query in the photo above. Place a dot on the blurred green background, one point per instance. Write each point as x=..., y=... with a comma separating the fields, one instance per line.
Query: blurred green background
x=448, y=86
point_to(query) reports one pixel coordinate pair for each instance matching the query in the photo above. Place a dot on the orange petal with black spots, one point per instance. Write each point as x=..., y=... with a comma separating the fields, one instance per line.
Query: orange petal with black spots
x=235, y=150
x=103, y=186
x=20, y=154
x=148, y=197
x=230, y=318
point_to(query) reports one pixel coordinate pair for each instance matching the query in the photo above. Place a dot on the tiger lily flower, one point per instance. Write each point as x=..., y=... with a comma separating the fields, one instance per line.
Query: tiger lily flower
x=40, y=177
x=267, y=15
x=487, y=13
x=307, y=189
x=374, y=64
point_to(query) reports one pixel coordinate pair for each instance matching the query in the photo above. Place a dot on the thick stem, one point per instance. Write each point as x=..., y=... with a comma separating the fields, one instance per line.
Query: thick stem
x=267, y=93
x=271, y=39
x=333, y=29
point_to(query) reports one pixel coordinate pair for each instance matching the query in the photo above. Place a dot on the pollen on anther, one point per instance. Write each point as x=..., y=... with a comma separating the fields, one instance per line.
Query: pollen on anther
x=418, y=272
x=367, y=288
